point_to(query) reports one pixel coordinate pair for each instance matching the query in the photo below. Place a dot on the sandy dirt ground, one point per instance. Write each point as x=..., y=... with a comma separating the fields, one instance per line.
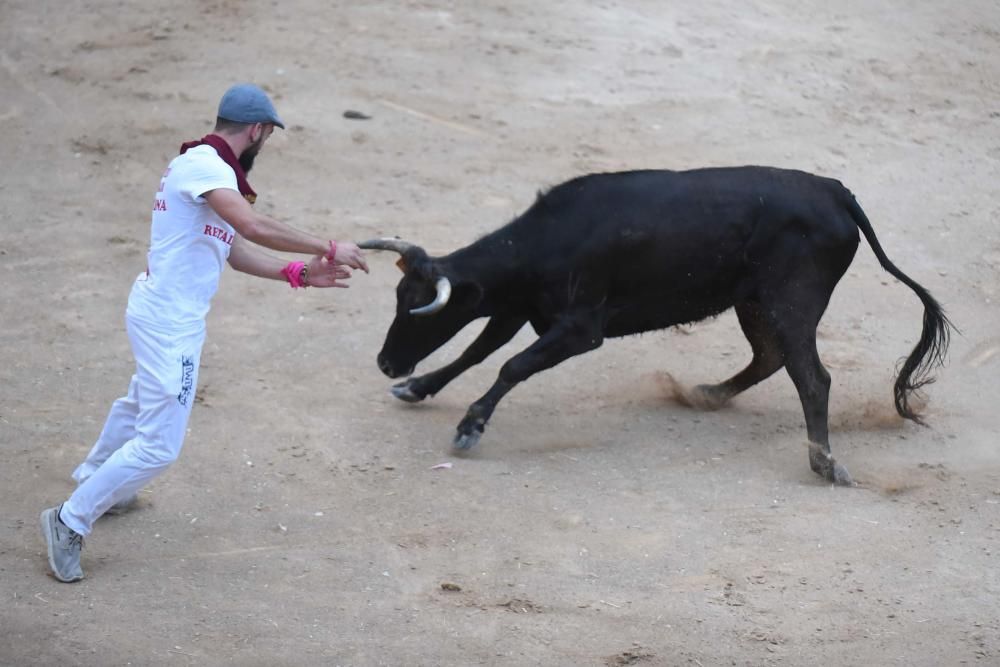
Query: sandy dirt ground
x=597, y=522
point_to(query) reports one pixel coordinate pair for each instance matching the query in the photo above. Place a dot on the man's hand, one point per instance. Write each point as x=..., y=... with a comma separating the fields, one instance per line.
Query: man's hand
x=350, y=255
x=323, y=273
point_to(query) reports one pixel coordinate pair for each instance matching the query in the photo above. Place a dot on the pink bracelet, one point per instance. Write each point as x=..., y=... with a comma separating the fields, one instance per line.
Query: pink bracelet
x=333, y=251
x=293, y=273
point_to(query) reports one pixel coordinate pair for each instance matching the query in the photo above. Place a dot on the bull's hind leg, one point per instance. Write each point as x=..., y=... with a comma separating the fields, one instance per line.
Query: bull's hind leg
x=812, y=381
x=766, y=360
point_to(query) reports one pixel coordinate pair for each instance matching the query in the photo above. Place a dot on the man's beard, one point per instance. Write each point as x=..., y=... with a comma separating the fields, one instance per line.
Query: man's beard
x=249, y=155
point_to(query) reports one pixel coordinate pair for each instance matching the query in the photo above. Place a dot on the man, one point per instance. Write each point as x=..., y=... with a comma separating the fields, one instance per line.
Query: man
x=202, y=216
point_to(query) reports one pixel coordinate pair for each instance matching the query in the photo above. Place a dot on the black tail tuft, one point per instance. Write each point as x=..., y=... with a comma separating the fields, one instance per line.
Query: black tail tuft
x=927, y=354
x=931, y=349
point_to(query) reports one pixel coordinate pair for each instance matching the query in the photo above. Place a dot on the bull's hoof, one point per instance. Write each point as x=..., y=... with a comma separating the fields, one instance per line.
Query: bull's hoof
x=466, y=441
x=702, y=397
x=824, y=465
x=841, y=477
x=404, y=392
x=707, y=397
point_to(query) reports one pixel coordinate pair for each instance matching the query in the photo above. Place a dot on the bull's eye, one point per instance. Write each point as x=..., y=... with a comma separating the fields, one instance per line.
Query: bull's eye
x=417, y=298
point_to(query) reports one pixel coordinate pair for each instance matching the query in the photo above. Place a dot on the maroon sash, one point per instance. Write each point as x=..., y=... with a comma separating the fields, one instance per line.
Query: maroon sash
x=226, y=153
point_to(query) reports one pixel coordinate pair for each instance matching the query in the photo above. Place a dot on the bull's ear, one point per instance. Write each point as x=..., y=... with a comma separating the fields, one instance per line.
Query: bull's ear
x=414, y=259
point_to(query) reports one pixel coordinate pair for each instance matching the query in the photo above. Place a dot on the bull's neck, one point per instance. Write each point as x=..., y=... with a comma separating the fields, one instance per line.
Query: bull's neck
x=494, y=261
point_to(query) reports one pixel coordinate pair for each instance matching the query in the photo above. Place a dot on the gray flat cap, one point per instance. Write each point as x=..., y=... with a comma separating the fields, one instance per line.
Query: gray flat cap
x=247, y=103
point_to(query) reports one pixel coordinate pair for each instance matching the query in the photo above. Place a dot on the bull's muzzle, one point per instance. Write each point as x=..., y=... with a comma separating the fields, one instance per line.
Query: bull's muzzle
x=391, y=371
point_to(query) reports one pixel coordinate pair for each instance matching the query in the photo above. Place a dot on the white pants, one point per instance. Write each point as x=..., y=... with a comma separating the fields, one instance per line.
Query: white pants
x=145, y=429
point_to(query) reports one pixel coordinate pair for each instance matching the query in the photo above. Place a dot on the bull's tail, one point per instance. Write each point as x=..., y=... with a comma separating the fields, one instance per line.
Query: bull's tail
x=932, y=347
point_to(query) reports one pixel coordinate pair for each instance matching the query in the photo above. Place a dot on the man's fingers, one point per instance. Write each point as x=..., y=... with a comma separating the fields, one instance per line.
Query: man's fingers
x=357, y=263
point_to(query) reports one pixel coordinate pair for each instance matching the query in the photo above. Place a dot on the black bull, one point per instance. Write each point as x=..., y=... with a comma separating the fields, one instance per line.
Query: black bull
x=614, y=254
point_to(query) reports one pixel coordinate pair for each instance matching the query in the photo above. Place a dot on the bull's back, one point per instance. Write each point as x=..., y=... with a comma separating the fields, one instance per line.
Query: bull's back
x=663, y=248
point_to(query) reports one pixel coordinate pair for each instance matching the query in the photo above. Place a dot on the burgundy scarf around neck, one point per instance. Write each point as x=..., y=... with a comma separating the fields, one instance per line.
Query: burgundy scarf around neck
x=226, y=153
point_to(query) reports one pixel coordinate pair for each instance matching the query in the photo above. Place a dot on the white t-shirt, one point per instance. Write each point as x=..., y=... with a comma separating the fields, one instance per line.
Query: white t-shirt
x=189, y=243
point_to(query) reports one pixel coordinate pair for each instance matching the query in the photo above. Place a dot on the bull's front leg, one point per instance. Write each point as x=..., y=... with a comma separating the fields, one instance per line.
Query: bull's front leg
x=498, y=331
x=568, y=338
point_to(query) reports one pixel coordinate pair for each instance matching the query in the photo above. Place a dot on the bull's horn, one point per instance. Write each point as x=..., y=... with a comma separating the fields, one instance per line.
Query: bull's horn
x=440, y=301
x=394, y=244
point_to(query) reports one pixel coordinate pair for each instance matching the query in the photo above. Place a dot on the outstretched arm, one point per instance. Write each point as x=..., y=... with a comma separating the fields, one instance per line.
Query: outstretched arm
x=248, y=258
x=270, y=233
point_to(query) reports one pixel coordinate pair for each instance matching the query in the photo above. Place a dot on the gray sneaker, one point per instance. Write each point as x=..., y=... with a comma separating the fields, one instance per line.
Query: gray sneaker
x=65, y=545
x=123, y=506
